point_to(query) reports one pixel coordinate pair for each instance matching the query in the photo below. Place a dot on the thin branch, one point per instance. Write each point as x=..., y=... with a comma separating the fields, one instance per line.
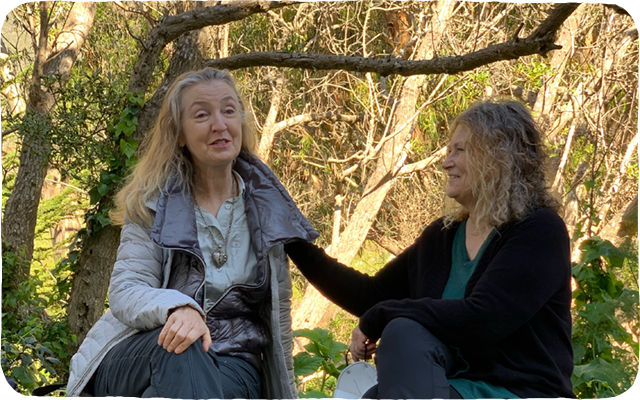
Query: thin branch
x=304, y=118
x=147, y=15
x=84, y=192
x=171, y=27
x=621, y=7
x=8, y=132
x=422, y=164
x=540, y=41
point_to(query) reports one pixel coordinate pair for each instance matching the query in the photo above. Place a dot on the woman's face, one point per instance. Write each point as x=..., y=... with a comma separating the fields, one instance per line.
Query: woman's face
x=211, y=125
x=455, y=164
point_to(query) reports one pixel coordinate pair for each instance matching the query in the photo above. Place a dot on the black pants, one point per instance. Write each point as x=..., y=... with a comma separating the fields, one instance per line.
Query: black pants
x=139, y=367
x=412, y=364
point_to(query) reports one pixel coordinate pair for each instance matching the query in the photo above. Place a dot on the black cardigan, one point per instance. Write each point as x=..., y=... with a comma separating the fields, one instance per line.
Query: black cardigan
x=513, y=325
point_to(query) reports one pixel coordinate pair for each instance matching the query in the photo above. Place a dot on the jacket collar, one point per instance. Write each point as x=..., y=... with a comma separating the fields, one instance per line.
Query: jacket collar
x=270, y=210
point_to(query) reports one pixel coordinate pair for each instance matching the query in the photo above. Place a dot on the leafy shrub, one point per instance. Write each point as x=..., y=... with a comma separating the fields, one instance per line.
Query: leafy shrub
x=605, y=353
x=322, y=355
x=33, y=343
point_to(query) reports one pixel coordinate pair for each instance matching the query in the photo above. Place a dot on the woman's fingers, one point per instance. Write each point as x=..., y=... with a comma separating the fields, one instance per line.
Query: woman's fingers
x=206, y=340
x=169, y=331
x=184, y=339
x=184, y=326
x=361, y=348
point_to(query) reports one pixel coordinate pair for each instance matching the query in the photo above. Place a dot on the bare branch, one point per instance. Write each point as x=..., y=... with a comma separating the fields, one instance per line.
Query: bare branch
x=540, y=41
x=621, y=7
x=304, y=118
x=9, y=131
x=146, y=14
x=422, y=164
x=170, y=28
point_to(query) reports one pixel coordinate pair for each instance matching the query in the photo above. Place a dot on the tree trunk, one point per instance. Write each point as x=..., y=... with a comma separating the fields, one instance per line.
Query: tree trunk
x=21, y=210
x=623, y=225
x=314, y=309
x=91, y=282
x=546, y=97
x=268, y=129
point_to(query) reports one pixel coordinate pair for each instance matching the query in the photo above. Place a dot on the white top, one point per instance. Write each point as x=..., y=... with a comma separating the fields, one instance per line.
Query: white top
x=241, y=257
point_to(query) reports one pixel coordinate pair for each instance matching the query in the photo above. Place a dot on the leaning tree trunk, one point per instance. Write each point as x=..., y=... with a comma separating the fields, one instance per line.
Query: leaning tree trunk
x=21, y=210
x=314, y=310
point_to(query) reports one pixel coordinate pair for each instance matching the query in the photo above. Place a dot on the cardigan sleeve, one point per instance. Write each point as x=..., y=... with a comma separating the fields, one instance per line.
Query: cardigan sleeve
x=529, y=267
x=352, y=290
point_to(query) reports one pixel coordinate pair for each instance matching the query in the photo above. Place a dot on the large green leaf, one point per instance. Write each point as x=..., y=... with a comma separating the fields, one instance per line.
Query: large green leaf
x=305, y=364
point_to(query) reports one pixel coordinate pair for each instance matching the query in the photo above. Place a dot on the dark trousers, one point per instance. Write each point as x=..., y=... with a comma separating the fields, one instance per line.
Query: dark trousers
x=412, y=364
x=139, y=367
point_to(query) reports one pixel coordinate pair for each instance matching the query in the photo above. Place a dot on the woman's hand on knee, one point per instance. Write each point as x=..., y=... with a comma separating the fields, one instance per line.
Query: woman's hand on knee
x=184, y=326
x=361, y=346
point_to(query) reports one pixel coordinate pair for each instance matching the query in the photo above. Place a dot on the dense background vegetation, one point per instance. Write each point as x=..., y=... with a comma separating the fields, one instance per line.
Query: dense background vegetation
x=359, y=152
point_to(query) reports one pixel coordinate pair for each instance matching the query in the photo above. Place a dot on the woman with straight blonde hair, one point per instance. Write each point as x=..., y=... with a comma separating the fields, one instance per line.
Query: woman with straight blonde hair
x=479, y=305
x=200, y=292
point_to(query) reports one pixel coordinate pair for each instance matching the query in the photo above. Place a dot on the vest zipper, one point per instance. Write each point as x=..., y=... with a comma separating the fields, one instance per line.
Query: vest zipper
x=204, y=266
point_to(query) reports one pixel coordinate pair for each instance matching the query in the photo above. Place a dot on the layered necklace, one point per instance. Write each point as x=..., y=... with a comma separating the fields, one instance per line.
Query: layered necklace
x=219, y=255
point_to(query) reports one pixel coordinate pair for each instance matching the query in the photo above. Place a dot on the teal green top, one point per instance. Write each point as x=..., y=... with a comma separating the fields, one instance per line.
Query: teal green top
x=461, y=270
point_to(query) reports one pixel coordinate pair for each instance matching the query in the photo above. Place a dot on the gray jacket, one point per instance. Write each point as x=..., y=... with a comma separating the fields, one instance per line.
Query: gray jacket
x=139, y=297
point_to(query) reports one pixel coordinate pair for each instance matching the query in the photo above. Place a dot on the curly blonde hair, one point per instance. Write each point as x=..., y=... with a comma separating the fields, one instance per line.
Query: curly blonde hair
x=162, y=157
x=506, y=162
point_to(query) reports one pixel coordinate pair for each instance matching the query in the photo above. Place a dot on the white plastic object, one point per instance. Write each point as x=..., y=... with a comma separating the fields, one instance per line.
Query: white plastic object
x=355, y=380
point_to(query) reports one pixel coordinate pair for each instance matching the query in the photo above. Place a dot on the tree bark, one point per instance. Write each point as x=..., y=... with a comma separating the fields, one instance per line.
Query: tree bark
x=170, y=28
x=21, y=210
x=91, y=282
x=546, y=97
x=268, y=131
x=314, y=309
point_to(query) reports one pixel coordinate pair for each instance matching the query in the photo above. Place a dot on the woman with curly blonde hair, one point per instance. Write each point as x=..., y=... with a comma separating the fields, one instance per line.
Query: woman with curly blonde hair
x=479, y=305
x=200, y=294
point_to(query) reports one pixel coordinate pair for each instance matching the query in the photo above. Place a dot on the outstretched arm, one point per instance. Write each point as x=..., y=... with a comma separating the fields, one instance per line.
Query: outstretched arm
x=352, y=290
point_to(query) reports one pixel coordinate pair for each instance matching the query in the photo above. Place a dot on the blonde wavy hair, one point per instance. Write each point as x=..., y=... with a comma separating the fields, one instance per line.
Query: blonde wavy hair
x=161, y=156
x=506, y=163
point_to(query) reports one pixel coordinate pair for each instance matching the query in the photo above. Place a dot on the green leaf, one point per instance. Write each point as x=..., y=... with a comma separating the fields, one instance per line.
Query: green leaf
x=330, y=369
x=313, y=394
x=305, y=364
x=315, y=335
x=128, y=147
x=599, y=370
x=317, y=349
x=103, y=220
x=94, y=196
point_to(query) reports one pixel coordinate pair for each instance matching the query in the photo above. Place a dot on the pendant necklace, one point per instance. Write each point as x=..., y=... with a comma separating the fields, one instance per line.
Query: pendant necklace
x=219, y=256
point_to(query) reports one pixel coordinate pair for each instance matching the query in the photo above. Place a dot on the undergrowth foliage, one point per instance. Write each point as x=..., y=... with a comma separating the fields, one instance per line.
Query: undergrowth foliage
x=33, y=341
x=605, y=352
x=323, y=357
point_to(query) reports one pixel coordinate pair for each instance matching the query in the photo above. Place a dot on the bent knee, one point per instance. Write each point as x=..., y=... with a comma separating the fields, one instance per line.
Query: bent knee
x=404, y=335
x=400, y=329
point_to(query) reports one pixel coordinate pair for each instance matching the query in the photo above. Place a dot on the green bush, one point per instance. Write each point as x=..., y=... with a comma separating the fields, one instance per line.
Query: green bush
x=605, y=353
x=33, y=343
